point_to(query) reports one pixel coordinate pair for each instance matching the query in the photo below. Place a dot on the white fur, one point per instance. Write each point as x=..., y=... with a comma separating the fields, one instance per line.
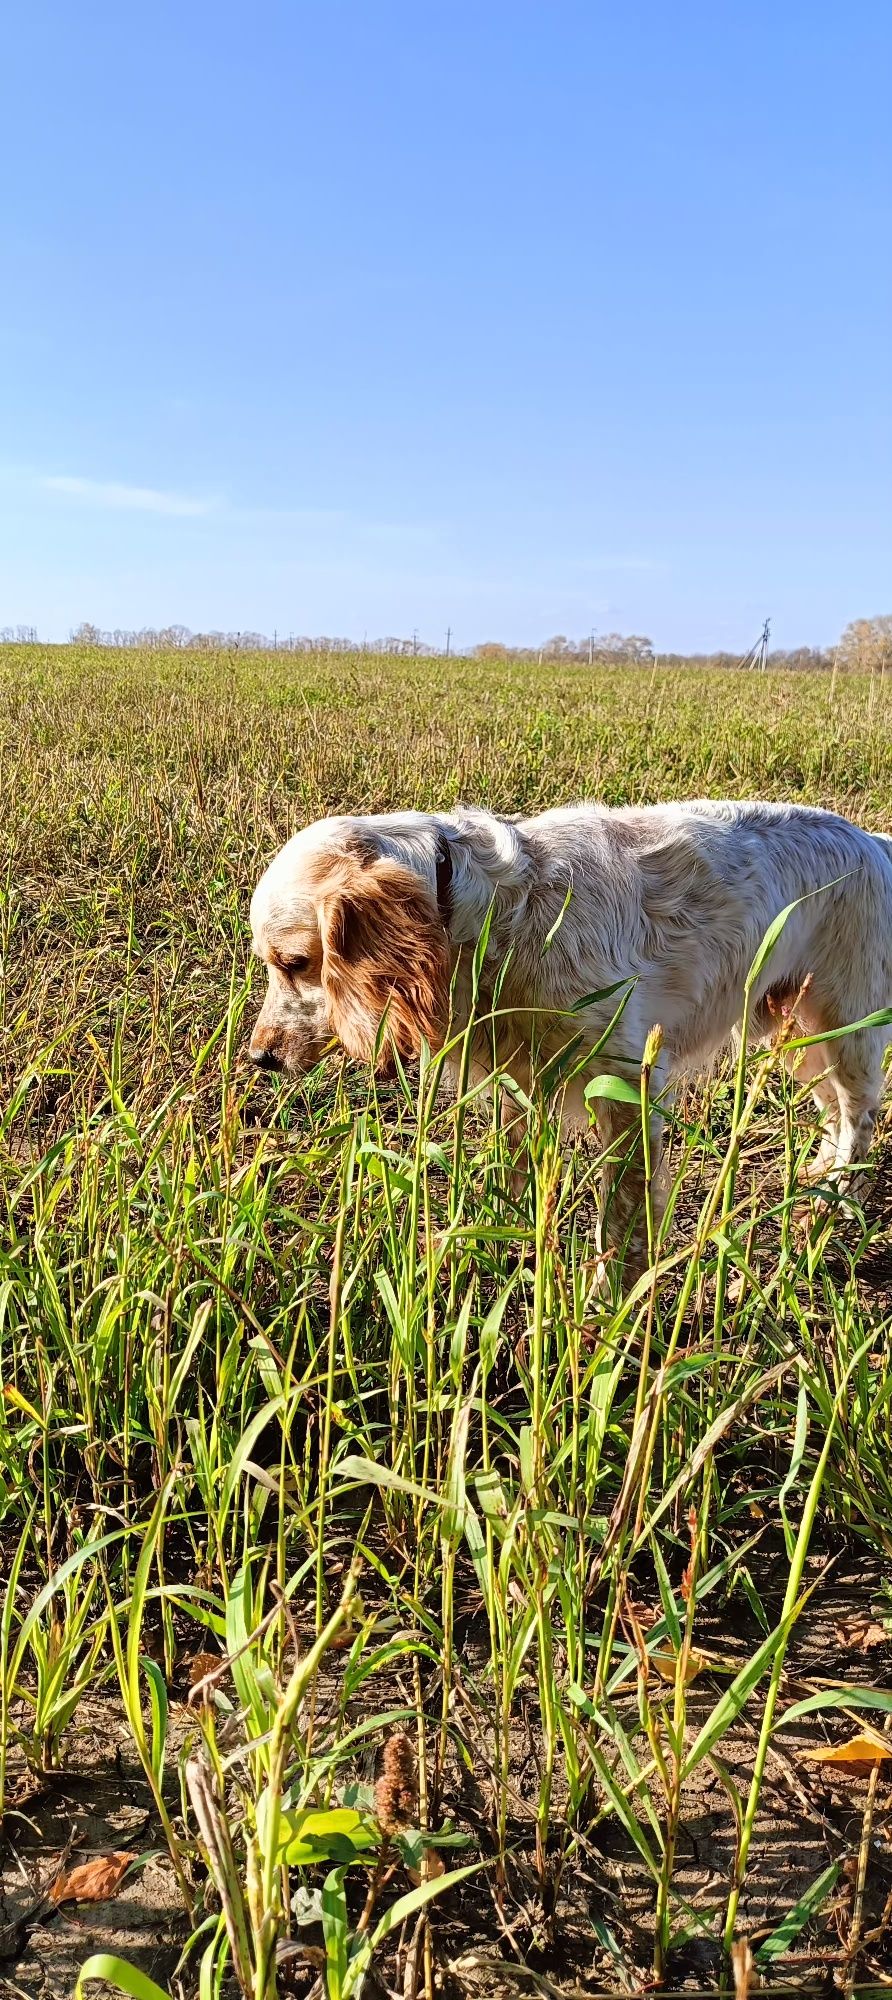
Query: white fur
x=674, y=899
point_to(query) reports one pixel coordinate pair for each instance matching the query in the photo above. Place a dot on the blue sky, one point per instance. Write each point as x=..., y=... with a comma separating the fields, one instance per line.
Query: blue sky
x=346, y=316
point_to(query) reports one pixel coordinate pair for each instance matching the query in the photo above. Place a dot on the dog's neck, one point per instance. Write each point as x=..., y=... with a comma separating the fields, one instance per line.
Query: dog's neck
x=483, y=865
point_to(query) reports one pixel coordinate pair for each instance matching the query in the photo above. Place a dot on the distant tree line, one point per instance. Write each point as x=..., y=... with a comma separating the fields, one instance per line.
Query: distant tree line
x=172, y=638
x=865, y=647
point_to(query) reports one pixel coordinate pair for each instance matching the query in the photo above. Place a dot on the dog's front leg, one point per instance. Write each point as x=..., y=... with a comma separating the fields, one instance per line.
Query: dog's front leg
x=625, y=1190
x=513, y=1118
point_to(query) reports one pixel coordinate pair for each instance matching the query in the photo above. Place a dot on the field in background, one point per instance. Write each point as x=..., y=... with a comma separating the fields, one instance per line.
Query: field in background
x=302, y=1406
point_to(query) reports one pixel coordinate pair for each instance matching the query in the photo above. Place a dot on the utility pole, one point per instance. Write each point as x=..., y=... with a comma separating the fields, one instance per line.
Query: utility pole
x=591, y=648
x=763, y=646
x=758, y=654
x=448, y=638
x=415, y=645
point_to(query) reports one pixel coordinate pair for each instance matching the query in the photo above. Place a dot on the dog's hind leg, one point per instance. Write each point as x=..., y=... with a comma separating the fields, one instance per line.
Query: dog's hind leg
x=624, y=1186
x=857, y=1077
x=859, y=1080
x=814, y=1067
x=513, y=1119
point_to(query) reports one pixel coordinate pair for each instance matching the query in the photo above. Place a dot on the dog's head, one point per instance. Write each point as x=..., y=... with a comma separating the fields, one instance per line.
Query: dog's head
x=350, y=936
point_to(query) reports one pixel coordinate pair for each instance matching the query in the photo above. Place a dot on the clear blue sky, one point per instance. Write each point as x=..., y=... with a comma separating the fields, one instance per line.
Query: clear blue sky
x=346, y=316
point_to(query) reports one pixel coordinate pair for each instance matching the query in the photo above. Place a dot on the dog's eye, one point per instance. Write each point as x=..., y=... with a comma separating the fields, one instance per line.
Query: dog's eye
x=293, y=966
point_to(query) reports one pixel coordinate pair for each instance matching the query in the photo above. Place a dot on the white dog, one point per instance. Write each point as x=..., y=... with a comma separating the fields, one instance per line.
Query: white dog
x=364, y=920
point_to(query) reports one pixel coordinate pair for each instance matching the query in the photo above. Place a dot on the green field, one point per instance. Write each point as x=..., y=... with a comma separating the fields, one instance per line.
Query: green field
x=299, y=1395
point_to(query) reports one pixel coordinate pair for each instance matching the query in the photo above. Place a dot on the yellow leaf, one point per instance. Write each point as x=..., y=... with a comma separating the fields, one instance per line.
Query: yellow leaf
x=861, y=1753
x=13, y=1395
x=666, y=1664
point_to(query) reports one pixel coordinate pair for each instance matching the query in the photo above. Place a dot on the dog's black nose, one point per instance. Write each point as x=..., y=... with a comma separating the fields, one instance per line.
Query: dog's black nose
x=264, y=1058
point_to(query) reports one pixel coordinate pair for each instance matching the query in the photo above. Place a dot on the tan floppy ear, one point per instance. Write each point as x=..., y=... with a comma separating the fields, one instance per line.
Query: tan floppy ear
x=384, y=952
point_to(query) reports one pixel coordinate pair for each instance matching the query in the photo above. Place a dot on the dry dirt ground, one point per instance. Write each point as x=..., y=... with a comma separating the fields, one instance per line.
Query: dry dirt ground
x=601, y=1936
x=97, y=1804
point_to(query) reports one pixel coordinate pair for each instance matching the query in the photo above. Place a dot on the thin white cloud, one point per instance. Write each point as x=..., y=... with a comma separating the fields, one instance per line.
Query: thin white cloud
x=127, y=499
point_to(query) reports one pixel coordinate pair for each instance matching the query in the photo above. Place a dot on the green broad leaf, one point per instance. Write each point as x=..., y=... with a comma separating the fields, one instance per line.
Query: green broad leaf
x=796, y=1919
x=392, y=1307
x=208, y=1971
x=616, y=1087
x=513, y=1089
x=118, y=1972
x=254, y=1683
x=409, y=1844
x=476, y=1541
x=333, y=1833
x=453, y=1518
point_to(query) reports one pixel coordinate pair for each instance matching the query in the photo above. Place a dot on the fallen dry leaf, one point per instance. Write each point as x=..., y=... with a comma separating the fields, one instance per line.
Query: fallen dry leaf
x=743, y=1967
x=860, y=1754
x=666, y=1662
x=861, y=1633
x=206, y=1671
x=203, y=1664
x=92, y=1881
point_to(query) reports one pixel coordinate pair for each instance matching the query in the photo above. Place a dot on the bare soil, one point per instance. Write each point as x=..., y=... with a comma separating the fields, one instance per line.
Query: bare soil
x=600, y=1935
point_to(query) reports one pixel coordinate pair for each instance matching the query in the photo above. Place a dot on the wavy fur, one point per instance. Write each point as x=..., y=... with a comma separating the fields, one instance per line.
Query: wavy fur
x=673, y=899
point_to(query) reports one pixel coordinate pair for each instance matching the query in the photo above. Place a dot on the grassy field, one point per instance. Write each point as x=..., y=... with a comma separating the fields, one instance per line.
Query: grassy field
x=350, y=1537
